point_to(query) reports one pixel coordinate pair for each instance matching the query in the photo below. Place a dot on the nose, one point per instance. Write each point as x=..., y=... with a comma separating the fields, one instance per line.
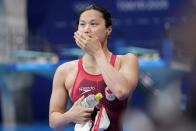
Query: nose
x=87, y=29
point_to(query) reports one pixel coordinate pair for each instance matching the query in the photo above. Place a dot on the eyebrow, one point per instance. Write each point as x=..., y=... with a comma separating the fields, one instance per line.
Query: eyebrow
x=93, y=20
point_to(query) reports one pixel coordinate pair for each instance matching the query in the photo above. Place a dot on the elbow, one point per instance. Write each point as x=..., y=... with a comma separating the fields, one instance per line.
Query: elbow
x=52, y=122
x=53, y=125
x=122, y=94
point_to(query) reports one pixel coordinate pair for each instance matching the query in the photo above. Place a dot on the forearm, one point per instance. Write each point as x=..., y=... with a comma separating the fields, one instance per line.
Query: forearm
x=114, y=80
x=59, y=120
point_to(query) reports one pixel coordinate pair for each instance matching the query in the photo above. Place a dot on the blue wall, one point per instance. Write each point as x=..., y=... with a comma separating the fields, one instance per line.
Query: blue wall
x=141, y=21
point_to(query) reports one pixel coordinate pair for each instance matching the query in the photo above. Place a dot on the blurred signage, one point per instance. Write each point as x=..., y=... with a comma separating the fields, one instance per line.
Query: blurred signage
x=142, y=20
x=142, y=5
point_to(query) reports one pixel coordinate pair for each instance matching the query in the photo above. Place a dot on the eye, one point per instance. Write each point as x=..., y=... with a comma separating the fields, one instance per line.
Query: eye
x=81, y=24
x=93, y=24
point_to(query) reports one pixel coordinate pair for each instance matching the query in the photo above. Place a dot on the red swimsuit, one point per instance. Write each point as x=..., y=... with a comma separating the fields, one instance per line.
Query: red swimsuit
x=86, y=84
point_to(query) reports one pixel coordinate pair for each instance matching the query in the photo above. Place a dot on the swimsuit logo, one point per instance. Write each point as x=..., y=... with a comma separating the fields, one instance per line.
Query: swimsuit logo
x=109, y=95
x=86, y=89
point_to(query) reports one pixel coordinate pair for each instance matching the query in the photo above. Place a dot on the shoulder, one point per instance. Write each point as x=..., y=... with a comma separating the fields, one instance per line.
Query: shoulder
x=127, y=58
x=67, y=67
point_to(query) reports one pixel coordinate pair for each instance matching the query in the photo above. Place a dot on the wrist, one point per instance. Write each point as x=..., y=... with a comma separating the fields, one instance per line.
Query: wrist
x=69, y=117
x=100, y=58
x=98, y=53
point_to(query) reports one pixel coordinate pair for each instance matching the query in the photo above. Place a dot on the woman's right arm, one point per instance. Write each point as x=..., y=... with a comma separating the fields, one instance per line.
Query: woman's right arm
x=59, y=118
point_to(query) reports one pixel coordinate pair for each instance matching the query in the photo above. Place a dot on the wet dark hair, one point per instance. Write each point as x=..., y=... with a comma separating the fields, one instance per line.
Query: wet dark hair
x=105, y=13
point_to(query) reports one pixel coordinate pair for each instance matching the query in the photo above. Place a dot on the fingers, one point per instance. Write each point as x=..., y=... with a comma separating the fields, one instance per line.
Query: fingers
x=83, y=35
x=79, y=44
x=81, y=114
x=83, y=121
x=87, y=115
x=89, y=110
x=87, y=43
x=86, y=112
x=84, y=109
x=79, y=100
x=80, y=37
x=80, y=41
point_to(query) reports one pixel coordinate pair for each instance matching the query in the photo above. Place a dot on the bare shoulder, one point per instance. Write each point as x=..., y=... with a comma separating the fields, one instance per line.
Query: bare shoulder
x=127, y=58
x=67, y=67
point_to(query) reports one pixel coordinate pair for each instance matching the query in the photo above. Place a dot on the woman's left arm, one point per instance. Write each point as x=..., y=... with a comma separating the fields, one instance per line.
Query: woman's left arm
x=121, y=82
